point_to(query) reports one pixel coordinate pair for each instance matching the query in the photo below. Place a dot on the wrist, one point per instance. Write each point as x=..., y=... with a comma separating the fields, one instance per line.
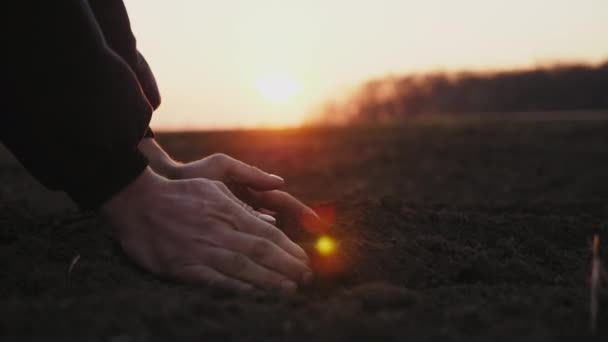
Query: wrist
x=158, y=159
x=164, y=166
x=146, y=184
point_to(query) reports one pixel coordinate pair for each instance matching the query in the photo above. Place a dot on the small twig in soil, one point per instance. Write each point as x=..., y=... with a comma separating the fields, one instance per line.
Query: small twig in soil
x=73, y=263
x=595, y=283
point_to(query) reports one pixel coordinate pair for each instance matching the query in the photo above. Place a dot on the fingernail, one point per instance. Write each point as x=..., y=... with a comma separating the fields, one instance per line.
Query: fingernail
x=288, y=287
x=307, y=278
x=267, y=218
x=314, y=213
x=277, y=177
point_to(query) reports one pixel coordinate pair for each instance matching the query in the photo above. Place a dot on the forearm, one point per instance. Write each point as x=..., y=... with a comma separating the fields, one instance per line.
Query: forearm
x=159, y=160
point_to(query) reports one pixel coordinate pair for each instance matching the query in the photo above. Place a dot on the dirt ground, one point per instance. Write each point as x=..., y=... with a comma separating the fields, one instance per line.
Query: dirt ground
x=448, y=231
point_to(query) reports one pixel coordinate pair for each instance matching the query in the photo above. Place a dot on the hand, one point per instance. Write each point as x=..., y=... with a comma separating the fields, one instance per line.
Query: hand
x=250, y=184
x=193, y=231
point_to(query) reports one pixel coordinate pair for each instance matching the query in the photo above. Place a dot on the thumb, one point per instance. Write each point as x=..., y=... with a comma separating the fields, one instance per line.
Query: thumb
x=252, y=176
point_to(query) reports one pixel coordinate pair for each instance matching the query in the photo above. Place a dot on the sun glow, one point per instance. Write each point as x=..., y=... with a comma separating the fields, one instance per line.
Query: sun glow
x=214, y=60
x=277, y=87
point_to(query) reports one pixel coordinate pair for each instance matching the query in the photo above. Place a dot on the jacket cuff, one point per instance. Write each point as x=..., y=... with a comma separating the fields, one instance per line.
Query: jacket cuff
x=101, y=180
x=149, y=133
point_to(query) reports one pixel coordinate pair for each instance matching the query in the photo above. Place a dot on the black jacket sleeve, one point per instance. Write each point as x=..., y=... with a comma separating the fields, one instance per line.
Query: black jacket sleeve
x=75, y=109
x=111, y=15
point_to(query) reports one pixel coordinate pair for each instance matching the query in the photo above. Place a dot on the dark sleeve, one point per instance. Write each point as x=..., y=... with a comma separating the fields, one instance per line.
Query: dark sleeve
x=75, y=111
x=149, y=133
x=111, y=15
x=148, y=83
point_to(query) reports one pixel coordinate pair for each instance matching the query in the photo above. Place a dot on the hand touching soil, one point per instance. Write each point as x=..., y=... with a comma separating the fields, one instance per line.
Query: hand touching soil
x=194, y=230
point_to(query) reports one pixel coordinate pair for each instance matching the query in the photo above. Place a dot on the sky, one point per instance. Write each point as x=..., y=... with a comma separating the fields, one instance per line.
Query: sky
x=267, y=63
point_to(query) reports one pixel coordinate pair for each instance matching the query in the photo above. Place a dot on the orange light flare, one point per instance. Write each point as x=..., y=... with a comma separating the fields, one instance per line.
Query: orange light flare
x=328, y=259
x=325, y=245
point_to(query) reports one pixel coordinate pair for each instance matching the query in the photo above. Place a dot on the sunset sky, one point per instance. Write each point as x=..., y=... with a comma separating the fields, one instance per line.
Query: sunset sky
x=263, y=63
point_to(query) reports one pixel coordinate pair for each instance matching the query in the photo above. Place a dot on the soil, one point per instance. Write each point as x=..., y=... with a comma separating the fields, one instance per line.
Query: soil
x=448, y=231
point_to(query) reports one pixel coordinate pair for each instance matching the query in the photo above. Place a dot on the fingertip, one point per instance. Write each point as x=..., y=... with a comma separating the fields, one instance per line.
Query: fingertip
x=313, y=223
x=300, y=253
x=307, y=278
x=288, y=287
x=277, y=178
x=304, y=256
x=270, y=182
x=264, y=182
x=312, y=213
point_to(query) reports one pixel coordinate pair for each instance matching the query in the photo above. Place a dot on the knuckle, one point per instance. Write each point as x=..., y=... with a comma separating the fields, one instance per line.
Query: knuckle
x=220, y=159
x=195, y=186
x=218, y=156
x=226, y=207
x=221, y=185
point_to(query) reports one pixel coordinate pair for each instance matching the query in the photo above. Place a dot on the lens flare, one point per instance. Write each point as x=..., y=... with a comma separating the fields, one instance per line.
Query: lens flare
x=325, y=245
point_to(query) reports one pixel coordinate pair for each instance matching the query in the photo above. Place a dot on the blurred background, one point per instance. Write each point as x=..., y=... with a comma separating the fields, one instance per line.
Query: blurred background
x=276, y=64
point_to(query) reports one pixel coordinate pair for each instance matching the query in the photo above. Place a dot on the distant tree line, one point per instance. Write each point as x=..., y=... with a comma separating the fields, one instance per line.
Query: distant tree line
x=560, y=87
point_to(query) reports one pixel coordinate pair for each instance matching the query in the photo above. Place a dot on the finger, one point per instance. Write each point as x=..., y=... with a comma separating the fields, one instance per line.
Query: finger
x=266, y=211
x=201, y=274
x=224, y=188
x=267, y=254
x=276, y=200
x=269, y=232
x=252, y=176
x=248, y=222
x=241, y=267
x=281, y=201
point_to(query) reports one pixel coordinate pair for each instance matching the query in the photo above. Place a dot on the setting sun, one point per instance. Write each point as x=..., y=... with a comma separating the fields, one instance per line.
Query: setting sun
x=277, y=87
